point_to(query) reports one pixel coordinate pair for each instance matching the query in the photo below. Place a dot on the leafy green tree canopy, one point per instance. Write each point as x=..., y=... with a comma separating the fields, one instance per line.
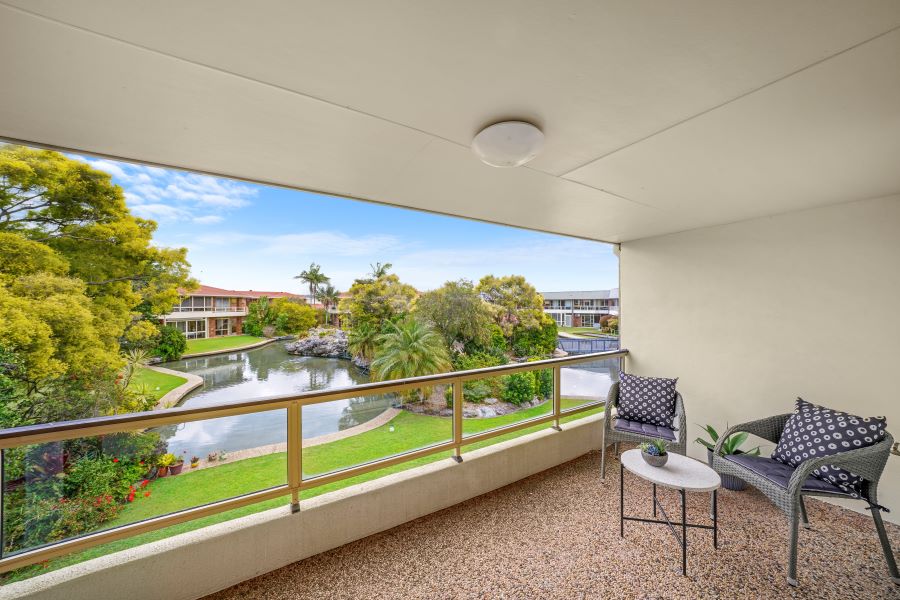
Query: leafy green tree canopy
x=377, y=301
x=457, y=311
x=515, y=301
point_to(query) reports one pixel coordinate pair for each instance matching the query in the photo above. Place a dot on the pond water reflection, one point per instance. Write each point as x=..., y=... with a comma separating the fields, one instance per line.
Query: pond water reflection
x=271, y=371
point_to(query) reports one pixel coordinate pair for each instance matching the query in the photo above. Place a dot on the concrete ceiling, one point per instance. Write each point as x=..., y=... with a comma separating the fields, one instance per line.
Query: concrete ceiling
x=659, y=116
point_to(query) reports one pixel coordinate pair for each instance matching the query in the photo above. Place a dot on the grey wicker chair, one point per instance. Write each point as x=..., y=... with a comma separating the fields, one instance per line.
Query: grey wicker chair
x=786, y=486
x=632, y=431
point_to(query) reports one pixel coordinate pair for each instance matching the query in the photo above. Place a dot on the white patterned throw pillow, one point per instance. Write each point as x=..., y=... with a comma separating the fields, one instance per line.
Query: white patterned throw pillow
x=647, y=399
x=815, y=431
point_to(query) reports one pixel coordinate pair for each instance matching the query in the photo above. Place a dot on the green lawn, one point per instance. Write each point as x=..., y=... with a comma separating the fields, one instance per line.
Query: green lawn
x=190, y=489
x=156, y=383
x=221, y=343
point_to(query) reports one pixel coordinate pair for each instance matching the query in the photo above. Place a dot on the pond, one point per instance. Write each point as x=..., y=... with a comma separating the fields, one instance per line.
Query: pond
x=258, y=373
x=271, y=371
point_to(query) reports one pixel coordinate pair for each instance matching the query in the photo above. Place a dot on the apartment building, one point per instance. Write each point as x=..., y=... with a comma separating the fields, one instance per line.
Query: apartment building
x=581, y=309
x=212, y=312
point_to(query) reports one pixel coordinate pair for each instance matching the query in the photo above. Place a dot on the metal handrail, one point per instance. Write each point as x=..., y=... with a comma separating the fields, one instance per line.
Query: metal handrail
x=50, y=432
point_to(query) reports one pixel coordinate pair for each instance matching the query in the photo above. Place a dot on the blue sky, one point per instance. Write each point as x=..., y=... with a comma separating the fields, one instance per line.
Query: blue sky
x=250, y=236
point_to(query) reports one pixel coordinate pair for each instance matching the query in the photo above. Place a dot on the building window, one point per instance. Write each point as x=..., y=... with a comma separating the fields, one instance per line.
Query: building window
x=193, y=329
x=587, y=320
x=223, y=326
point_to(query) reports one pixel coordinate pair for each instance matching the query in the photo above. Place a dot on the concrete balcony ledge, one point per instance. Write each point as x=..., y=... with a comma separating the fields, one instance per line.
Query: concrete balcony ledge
x=201, y=562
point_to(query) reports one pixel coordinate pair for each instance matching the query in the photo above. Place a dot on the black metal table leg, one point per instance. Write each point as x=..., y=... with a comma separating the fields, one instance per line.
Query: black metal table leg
x=654, y=499
x=683, y=533
x=715, y=520
x=621, y=500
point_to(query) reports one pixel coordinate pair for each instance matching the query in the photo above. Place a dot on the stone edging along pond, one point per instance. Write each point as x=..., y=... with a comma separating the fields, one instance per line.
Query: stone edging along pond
x=173, y=397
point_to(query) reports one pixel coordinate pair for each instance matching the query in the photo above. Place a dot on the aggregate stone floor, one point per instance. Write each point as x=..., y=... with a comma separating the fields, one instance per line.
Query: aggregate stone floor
x=556, y=535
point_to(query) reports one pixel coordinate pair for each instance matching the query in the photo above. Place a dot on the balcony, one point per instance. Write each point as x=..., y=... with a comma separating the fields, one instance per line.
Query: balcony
x=727, y=150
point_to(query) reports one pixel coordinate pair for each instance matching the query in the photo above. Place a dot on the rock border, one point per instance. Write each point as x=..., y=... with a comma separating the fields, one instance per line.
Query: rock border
x=173, y=397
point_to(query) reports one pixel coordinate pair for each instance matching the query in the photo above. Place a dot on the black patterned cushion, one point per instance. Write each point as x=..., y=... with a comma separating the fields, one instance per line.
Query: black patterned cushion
x=815, y=431
x=647, y=399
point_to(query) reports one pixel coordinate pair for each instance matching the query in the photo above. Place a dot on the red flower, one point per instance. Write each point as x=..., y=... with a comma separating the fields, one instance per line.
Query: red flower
x=147, y=494
x=141, y=463
x=115, y=460
x=144, y=483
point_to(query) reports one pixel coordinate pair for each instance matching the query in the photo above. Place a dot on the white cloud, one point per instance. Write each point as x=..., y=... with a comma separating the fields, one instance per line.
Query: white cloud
x=108, y=167
x=158, y=211
x=208, y=219
x=320, y=243
x=220, y=200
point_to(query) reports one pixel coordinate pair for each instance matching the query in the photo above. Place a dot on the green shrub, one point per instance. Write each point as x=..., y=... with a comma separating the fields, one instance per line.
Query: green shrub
x=518, y=388
x=479, y=389
x=172, y=343
x=539, y=340
x=543, y=381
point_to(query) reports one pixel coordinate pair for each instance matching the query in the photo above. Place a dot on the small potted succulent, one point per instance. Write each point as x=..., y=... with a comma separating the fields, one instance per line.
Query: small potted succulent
x=730, y=446
x=222, y=456
x=655, y=453
x=212, y=457
x=164, y=462
x=195, y=462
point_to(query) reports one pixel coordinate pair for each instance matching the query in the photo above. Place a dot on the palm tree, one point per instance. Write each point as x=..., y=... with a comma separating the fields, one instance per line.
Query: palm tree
x=410, y=349
x=328, y=296
x=314, y=277
x=363, y=341
x=380, y=270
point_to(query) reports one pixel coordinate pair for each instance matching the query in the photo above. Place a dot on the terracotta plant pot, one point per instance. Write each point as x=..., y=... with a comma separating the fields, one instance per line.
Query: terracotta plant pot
x=176, y=468
x=162, y=471
x=194, y=465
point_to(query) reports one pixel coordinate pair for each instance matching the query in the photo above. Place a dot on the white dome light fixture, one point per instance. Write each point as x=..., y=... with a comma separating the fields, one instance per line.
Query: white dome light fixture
x=508, y=144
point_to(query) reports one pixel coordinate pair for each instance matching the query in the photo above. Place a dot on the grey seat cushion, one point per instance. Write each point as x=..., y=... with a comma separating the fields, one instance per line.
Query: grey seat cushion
x=648, y=429
x=780, y=473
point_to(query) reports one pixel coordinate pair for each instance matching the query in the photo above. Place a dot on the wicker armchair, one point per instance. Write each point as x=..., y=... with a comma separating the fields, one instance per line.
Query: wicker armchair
x=614, y=432
x=786, y=486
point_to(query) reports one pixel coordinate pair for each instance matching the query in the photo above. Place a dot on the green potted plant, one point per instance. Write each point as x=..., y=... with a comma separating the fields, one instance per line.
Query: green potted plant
x=212, y=457
x=222, y=456
x=163, y=464
x=176, y=466
x=732, y=445
x=655, y=453
x=195, y=462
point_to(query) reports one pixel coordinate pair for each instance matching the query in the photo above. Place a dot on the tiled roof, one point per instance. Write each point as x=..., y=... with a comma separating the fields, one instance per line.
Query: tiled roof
x=583, y=295
x=208, y=290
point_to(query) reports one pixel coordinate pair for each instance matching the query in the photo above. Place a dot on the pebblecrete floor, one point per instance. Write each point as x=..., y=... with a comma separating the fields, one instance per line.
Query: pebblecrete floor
x=556, y=535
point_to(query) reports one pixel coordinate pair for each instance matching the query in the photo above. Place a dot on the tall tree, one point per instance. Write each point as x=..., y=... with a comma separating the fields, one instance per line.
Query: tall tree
x=410, y=349
x=314, y=277
x=514, y=301
x=78, y=212
x=378, y=301
x=380, y=270
x=457, y=311
x=329, y=296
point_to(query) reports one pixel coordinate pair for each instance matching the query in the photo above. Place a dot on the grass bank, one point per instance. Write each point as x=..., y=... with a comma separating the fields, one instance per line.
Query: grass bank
x=155, y=383
x=410, y=431
x=228, y=342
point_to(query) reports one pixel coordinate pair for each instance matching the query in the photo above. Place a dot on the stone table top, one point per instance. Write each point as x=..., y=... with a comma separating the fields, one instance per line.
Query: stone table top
x=679, y=472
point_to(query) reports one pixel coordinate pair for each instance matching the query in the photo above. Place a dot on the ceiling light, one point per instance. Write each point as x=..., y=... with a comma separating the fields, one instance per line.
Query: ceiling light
x=508, y=144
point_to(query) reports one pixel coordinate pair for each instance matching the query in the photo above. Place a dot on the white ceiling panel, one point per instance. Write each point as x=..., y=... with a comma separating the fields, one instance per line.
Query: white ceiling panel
x=827, y=135
x=659, y=116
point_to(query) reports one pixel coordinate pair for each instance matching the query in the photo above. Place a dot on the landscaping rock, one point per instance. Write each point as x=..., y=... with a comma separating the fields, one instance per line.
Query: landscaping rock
x=321, y=343
x=360, y=363
x=559, y=353
x=490, y=401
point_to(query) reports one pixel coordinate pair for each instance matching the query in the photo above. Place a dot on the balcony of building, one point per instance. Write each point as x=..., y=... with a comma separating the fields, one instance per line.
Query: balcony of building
x=728, y=150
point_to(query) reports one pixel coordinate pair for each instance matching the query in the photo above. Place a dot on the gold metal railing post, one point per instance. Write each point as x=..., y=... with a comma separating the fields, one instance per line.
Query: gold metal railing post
x=557, y=400
x=457, y=419
x=295, y=452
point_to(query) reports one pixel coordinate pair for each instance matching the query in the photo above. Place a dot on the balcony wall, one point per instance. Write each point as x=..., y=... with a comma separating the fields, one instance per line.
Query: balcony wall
x=691, y=309
x=193, y=564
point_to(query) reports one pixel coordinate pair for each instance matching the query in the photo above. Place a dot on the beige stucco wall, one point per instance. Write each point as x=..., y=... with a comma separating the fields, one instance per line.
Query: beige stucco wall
x=752, y=314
